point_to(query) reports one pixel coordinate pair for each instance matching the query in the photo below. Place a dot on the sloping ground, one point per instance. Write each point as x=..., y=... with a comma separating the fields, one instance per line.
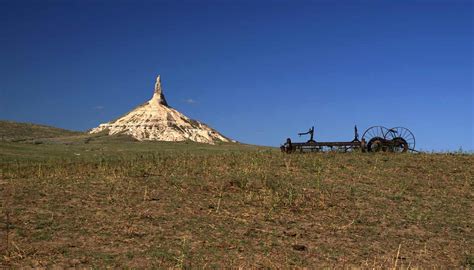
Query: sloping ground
x=219, y=208
x=14, y=131
x=93, y=147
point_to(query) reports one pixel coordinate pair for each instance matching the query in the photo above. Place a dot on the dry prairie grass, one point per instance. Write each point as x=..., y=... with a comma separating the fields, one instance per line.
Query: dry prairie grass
x=245, y=209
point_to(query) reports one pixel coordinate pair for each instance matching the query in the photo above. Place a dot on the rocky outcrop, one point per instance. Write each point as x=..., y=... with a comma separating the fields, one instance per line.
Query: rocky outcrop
x=157, y=121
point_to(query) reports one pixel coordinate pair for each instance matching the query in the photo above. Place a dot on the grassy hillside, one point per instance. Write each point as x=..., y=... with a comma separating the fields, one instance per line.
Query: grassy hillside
x=90, y=148
x=114, y=203
x=14, y=131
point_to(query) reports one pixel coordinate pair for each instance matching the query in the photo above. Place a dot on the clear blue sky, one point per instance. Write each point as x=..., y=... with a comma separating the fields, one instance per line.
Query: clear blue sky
x=257, y=72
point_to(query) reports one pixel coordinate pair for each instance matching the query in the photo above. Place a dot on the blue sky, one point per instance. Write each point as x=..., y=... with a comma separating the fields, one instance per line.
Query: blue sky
x=258, y=71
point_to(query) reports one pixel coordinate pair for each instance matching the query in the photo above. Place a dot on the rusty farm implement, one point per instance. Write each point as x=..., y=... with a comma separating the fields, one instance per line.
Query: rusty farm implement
x=374, y=139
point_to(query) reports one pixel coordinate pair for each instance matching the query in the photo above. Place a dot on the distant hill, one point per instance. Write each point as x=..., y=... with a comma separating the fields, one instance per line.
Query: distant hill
x=14, y=131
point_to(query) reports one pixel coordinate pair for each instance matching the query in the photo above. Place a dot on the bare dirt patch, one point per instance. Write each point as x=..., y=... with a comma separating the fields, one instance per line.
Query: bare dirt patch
x=242, y=209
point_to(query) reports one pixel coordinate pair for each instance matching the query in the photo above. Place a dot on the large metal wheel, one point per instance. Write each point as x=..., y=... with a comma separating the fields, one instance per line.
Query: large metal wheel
x=402, y=139
x=375, y=138
x=398, y=145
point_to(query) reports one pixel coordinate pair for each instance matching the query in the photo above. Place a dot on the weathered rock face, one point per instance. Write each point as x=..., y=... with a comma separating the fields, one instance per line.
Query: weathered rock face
x=155, y=120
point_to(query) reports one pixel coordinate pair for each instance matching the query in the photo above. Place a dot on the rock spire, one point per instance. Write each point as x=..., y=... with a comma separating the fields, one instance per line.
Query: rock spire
x=155, y=120
x=158, y=95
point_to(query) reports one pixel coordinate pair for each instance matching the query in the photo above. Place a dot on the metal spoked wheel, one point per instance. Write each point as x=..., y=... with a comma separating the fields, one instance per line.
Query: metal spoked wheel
x=375, y=138
x=402, y=139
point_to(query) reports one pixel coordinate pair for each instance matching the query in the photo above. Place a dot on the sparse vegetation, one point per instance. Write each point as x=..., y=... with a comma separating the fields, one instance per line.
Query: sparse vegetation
x=115, y=203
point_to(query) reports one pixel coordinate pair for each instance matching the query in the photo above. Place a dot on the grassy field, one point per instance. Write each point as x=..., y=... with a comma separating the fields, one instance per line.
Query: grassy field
x=91, y=201
x=13, y=131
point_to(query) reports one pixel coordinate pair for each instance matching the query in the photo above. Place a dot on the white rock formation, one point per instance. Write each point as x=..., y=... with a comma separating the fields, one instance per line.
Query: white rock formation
x=156, y=121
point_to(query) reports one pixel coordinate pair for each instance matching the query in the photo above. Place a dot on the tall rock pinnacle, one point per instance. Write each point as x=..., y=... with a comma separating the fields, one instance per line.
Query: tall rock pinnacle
x=158, y=95
x=156, y=121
